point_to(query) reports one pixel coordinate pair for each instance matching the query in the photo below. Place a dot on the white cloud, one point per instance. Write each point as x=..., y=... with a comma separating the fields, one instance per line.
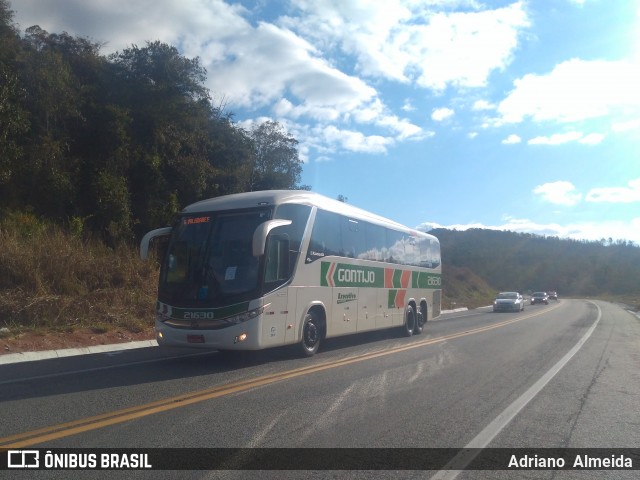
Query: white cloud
x=355, y=141
x=284, y=108
x=272, y=63
x=122, y=23
x=627, y=126
x=628, y=194
x=360, y=28
x=557, y=138
x=441, y=114
x=404, y=128
x=463, y=48
x=407, y=106
x=592, y=139
x=559, y=193
x=377, y=113
x=480, y=105
x=512, y=139
x=562, y=138
x=575, y=90
x=409, y=41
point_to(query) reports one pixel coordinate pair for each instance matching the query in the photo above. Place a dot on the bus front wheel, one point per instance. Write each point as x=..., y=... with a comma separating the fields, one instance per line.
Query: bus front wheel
x=311, y=333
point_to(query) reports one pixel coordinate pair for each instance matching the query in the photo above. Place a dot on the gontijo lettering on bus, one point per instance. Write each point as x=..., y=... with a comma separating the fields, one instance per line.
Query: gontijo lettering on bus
x=334, y=274
x=345, y=275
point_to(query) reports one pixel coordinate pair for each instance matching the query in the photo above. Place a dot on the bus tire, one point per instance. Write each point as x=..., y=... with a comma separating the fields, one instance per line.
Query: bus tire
x=409, y=321
x=311, y=335
x=420, y=319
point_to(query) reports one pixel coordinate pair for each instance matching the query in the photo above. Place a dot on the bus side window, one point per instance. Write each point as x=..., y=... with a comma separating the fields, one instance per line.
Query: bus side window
x=326, y=237
x=376, y=243
x=395, y=247
x=428, y=255
x=353, y=238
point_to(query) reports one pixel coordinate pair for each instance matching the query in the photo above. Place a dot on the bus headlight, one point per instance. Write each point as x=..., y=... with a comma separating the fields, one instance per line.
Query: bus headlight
x=243, y=317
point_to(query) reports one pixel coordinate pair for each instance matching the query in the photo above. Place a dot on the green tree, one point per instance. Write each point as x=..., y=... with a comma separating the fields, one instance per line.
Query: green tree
x=230, y=155
x=170, y=111
x=14, y=121
x=113, y=205
x=276, y=164
x=44, y=176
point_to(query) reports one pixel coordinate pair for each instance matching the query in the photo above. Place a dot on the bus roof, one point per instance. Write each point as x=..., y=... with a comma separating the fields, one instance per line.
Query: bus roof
x=277, y=197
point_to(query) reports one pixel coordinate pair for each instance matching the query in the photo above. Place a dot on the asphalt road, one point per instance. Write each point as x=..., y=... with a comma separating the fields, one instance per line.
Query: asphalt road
x=564, y=375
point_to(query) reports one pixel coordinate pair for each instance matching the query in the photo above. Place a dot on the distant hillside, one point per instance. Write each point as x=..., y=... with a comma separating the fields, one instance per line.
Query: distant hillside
x=527, y=262
x=463, y=288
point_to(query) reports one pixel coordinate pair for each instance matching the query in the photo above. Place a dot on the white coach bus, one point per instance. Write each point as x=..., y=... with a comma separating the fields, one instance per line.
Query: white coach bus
x=262, y=269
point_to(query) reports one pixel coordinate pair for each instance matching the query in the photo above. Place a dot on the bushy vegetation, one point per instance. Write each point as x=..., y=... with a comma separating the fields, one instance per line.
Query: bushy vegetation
x=54, y=280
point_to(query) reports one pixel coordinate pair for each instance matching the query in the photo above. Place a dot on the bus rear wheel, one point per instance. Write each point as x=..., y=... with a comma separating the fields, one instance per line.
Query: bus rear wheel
x=409, y=321
x=420, y=319
x=311, y=334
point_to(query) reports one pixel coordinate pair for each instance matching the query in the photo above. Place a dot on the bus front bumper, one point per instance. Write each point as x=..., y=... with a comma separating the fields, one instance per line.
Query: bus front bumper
x=243, y=336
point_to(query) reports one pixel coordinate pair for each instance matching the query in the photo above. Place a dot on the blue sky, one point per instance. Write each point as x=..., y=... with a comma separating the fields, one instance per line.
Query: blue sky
x=514, y=115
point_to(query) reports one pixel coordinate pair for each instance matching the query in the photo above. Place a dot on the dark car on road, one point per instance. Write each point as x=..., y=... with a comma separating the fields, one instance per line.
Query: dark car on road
x=552, y=295
x=540, y=297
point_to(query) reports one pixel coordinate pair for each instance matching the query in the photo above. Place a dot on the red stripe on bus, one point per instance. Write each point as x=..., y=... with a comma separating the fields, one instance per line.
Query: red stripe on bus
x=332, y=269
x=400, y=296
x=404, y=279
x=388, y=277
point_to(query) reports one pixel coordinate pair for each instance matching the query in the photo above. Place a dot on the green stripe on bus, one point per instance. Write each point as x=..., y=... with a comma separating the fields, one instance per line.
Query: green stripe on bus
x=324, y=269
x=345, y=275
x=397, y=278
x=426, y=280
x=392, y=298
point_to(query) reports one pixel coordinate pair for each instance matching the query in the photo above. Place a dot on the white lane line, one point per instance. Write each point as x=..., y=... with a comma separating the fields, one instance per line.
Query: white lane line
x=482, y=440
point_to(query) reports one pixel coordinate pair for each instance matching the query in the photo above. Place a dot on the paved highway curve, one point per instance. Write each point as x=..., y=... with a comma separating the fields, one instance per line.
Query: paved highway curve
x=562, y=375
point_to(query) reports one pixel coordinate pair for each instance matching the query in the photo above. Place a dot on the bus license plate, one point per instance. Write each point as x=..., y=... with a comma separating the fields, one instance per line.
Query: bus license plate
x=195, y=338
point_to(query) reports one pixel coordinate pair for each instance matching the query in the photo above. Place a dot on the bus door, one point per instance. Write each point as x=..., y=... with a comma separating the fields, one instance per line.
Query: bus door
x=274, y=320
x=385, y=312
x=367, y=309
x=344, y=318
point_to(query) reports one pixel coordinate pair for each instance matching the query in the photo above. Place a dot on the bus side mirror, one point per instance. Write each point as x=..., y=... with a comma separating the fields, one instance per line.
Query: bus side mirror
x=148, y=237
x=260, y=235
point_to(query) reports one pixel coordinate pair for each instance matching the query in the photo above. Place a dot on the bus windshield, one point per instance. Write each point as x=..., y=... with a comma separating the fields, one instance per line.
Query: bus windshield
x=210, y=259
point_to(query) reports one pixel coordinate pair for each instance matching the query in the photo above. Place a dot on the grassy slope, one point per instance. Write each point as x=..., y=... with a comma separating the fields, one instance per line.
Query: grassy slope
x=52, y=280
x=463, y=288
